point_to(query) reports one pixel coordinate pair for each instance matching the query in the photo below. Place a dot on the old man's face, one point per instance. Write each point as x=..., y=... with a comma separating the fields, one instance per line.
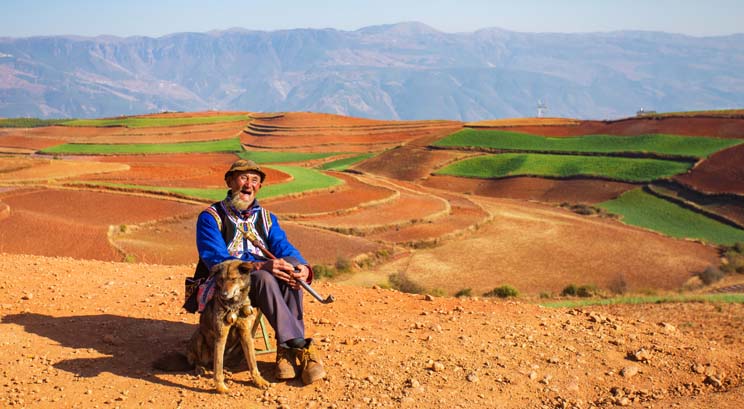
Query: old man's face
x=244, y=187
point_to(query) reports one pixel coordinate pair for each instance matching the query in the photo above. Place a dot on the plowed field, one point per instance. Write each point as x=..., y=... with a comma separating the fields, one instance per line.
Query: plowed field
x=722, y=172
x=543, y=249
x=74, y=223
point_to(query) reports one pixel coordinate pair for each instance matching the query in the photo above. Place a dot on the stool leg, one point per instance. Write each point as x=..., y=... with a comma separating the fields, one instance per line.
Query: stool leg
x=260, y=322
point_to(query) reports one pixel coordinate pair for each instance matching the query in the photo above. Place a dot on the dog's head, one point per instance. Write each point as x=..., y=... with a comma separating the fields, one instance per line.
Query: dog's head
x=232, y=279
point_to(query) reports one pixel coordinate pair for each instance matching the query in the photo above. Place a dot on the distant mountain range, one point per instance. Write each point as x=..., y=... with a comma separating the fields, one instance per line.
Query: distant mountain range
x=399, y=71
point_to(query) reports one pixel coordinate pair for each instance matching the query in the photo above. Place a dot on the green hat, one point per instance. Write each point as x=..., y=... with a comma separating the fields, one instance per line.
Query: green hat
x=243, y=165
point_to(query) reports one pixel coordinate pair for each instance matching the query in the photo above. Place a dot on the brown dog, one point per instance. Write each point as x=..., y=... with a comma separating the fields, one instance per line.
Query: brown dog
x=225, y=323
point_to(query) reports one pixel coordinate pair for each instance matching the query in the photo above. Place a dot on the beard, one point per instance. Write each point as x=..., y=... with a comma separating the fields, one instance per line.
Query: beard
x=239, y=203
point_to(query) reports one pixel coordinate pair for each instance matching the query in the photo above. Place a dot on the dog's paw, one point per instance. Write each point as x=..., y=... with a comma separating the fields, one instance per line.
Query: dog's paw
x=200, y=370
x=221, y=387
x=260, y=382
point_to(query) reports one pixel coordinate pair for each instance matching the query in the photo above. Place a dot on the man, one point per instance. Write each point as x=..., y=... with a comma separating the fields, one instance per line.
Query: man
x=239, y=228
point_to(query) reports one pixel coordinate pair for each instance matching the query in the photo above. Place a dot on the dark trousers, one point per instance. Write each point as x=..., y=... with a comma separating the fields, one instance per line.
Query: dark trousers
x=281, y=305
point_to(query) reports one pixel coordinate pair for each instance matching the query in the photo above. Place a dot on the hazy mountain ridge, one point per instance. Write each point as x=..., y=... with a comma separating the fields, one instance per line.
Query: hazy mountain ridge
x=399, y=71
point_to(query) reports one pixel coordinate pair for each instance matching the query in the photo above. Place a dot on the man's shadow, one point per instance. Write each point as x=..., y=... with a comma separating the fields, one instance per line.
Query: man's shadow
x=131, y=344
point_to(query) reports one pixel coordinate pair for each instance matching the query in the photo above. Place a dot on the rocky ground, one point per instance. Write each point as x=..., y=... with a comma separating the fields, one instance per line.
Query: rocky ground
x=84, y=333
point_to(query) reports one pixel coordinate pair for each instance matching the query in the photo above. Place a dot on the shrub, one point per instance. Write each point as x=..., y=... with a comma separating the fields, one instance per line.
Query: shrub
x=465, y=292
x=504, y=291
x=586, y=291
x=323, y=271
x=545, y=295
x=734, y=259
x=710, y=275
x=438, y=292
x=343, y=264
x=570, y=290
x=401, y=282
x=579, y=291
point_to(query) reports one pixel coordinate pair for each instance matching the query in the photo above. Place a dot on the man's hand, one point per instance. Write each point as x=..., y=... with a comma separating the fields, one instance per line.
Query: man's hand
x=284, y=271
x=301, y=273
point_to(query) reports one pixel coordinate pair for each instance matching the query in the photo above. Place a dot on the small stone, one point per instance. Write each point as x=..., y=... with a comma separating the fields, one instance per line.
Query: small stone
x=532, y=375
x=413, y=383
x=437, y=367
x=429, y=297
x=713, y=381
x=698, y=368
x=27, y=296
x=629, y=371
x=667, y=327
x=472, y=377
x=624, y=401
x=641, y=355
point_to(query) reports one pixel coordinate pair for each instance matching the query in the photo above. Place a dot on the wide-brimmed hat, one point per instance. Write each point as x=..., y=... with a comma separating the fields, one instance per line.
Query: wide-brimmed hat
x=245, y=165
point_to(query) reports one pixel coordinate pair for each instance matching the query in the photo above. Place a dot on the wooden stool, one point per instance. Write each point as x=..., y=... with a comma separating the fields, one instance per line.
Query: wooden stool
x=260, y=322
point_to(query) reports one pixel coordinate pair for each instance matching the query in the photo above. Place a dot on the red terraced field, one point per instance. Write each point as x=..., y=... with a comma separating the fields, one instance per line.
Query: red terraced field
x=77, y=221
x=529, y=188
x=464, y=215
x=352, y=195
x=19, y=141
x=176, y=170
x=25, y=169
x=302, y=130
x=409, y=208
x=182, y=133
x=410, y=162
x=722, y=172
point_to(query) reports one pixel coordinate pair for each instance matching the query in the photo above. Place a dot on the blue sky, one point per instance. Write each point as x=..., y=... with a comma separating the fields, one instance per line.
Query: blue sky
x=154, y=18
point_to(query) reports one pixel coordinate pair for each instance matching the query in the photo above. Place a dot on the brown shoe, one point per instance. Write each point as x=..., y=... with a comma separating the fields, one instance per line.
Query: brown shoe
x=312, y=367
x=285, y=363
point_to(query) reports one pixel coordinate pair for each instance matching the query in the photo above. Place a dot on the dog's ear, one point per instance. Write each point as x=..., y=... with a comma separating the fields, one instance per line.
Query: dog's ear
x=246, y=267
x=219, y=269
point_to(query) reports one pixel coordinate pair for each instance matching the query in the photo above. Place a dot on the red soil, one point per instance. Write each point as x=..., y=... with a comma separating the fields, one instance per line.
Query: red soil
x=311, y=129
x=74, y=223
x=464, y=216
x=352, y=195
x=410, y=207
x=10, y=140
x=43, y=137
x=177, y=170
x=80, y=333
x=537, y=248
x=722, y=172
x=528, y=188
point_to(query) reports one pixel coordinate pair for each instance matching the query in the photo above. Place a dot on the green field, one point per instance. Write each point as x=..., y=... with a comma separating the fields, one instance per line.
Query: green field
x=659, y=144
x=224, y=145
x=343, y=164
x=529, y=164
x=29, y=122
x=144, y=122
x=304, y=179
x=279, y=157
x=643, y=209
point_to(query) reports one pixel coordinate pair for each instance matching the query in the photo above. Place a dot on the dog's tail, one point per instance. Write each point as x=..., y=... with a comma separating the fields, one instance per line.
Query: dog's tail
x=173, y=362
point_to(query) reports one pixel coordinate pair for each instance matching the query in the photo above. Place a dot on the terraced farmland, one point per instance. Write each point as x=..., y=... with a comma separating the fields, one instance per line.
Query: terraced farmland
x=392, y=201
